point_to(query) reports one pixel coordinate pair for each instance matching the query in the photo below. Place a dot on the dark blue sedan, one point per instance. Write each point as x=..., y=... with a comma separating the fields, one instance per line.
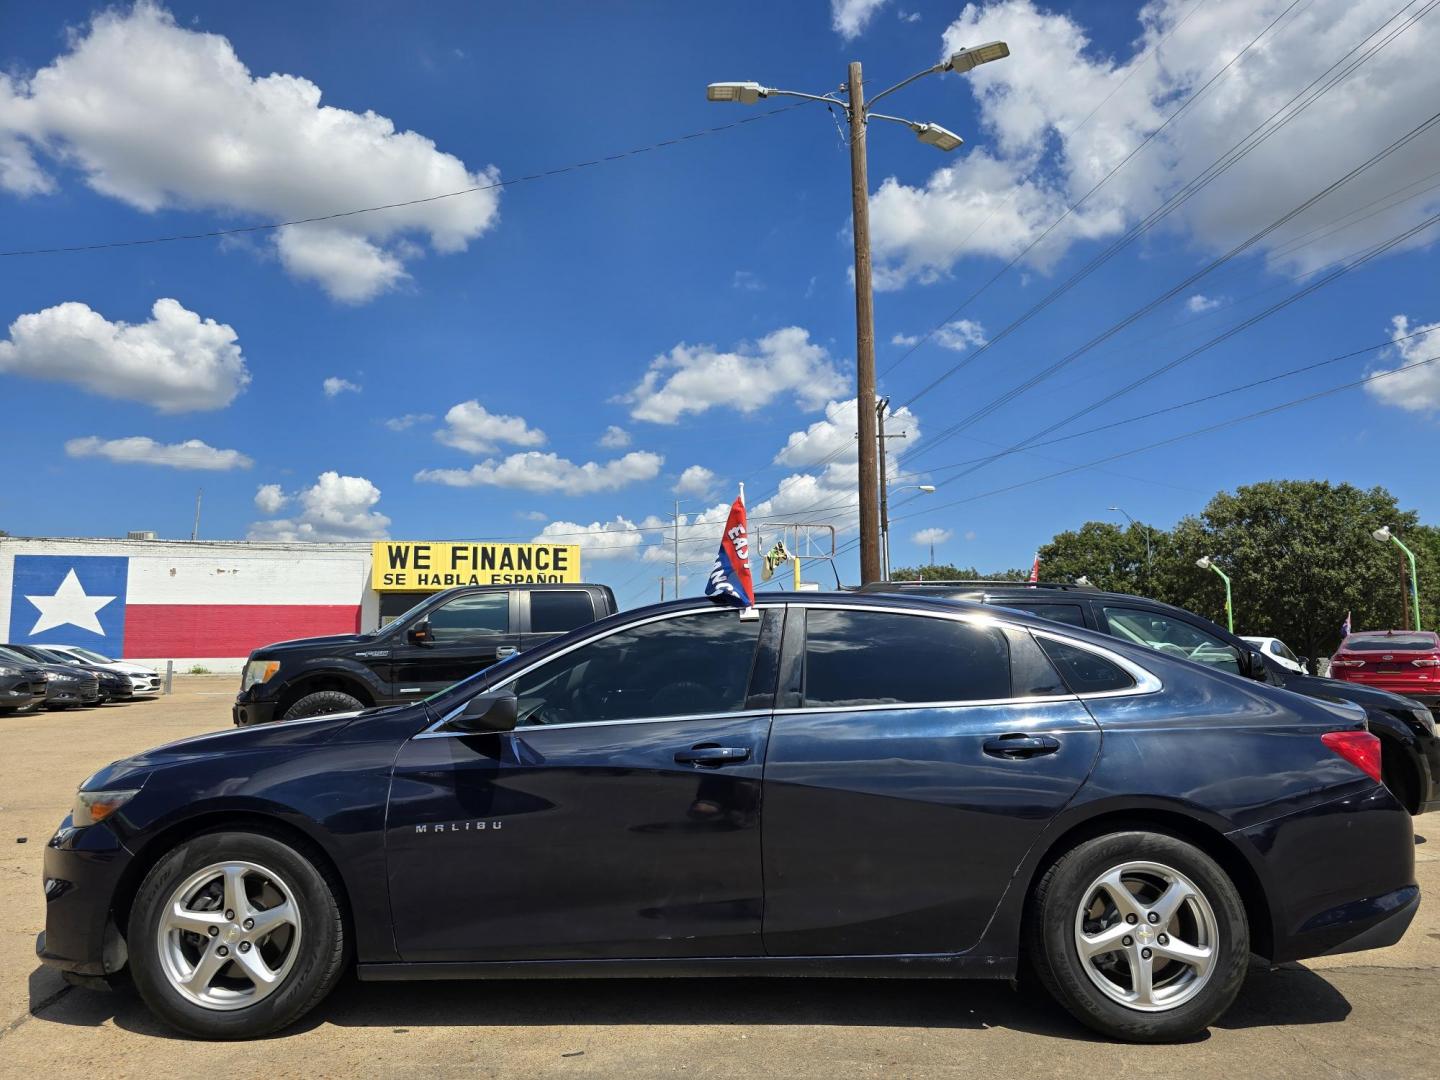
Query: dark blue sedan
x=829, y=785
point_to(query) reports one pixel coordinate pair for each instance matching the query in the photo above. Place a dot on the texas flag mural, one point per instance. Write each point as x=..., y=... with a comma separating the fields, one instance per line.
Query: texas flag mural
x=156, y=607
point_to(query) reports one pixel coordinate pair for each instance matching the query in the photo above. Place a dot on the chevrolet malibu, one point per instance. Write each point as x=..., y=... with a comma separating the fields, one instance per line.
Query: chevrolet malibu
x=826, y=785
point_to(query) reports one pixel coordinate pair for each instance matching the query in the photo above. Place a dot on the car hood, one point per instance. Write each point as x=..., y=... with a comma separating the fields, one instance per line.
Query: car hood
x=333, y=641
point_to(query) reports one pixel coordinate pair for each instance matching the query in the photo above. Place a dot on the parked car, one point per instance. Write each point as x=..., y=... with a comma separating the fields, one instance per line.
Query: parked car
x=1409, y=744
x=65, y=685
x=860, y=785
x=22, y=683
x=143, y=681
x=1402, y=661
x=1276, y=650
x=445, y=638
x=112, y=685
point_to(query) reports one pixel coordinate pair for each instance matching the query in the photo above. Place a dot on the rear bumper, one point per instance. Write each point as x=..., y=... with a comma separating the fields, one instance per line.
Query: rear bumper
x=1384, y=918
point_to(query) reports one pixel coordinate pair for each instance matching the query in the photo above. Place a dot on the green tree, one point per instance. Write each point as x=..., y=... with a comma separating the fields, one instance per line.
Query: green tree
x=950, y=572
x=1108, y=556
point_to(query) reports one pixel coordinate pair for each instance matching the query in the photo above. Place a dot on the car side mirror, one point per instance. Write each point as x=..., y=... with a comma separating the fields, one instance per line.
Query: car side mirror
x=1256, y=667
x=496, y=710
x=419, y=634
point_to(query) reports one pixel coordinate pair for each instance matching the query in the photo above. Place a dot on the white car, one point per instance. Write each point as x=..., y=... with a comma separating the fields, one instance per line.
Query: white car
x=142, y=679
x=1278, y=651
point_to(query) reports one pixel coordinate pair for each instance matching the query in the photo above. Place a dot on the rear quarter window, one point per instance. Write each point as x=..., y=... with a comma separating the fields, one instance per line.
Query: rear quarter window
x=1083, y=671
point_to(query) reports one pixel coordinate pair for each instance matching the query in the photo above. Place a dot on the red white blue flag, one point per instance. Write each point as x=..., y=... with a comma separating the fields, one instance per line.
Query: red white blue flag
x=730, y=581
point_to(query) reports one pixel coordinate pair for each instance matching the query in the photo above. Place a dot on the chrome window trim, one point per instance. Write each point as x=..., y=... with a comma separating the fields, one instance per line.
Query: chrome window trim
x=744, y=714
x=434, y=728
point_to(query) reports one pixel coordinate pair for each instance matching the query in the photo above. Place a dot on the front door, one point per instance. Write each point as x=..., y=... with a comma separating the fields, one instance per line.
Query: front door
x=913, y=760
x=621, y=818
x=467, y=634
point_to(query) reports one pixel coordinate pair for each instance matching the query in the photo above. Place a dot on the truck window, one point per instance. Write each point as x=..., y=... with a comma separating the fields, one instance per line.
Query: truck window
x=557, y=612
x=467, y=618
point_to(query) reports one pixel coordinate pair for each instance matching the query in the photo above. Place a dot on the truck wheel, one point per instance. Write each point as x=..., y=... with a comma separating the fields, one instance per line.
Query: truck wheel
x=1140, y=936
x=322, y=703
x=234, y=935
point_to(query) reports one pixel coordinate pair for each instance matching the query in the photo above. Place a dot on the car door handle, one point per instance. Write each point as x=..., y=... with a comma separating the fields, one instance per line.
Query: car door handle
x=1021, y=746
x=713, y=755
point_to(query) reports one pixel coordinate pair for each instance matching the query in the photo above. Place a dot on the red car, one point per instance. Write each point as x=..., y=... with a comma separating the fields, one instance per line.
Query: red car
x=1401, y=661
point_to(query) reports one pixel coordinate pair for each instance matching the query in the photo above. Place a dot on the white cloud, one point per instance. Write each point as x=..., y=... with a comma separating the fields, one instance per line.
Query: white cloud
x=969, y=534
x=1035, y=157
x=696, y=481
x=531, y=515
x=409, y=420
x=746, y=281
x=176, y=362
x=931, y=536
x=833, y=439
x=335, y=386
x=469, y=426
x=270, y=499
x=617, y=539
x=1200, y=303
x=335, y=508
x=615, y=438
x=142, y=450
x=1417, y=390
x=908, y=16
x=905, y=339
x=159, y=116
x=960, y=335
x=534, y=471
x=694, y=379
x=850, y=17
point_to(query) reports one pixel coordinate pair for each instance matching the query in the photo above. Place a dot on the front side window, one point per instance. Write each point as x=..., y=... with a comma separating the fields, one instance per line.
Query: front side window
x=557, y=612
x=694, y=664
x=1173, y=637
x=471, y=618
x=882, y=658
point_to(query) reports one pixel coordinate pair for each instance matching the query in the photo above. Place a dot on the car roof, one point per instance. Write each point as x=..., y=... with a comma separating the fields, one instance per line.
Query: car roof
x=1041, y=592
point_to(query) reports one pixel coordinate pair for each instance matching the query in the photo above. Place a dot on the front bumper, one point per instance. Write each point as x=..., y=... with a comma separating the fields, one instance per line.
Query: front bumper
x=72, y=693
x=245, y=712
x=83, y=867
x=145, y=684
x=22, y=696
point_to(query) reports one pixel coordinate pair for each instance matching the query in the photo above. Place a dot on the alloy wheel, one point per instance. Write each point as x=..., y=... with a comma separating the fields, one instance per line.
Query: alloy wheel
x=229, y=935
x=1147, y=936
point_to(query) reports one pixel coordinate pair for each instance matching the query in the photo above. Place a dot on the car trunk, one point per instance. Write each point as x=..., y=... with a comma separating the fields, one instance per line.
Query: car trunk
x=1402, y=671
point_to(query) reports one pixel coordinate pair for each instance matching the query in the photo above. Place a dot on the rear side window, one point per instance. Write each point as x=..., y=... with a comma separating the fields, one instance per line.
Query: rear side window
x=471, y=618
x=881, y=658
x=1085, y=672
x=557, y=612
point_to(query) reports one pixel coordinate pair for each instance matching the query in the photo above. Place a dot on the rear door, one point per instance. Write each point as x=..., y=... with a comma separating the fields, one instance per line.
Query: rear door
x=468, y=633
x=913, y=760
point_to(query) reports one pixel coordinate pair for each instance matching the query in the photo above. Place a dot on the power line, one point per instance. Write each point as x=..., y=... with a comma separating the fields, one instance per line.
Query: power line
x=241, y=229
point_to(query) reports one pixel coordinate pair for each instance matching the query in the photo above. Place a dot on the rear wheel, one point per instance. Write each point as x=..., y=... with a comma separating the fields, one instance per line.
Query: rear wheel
x=234, y=935
x=322, y=703
x=1140, y=936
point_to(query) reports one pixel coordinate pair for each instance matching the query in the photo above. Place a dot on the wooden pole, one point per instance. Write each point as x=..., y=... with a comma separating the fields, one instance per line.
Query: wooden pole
x=864, y=336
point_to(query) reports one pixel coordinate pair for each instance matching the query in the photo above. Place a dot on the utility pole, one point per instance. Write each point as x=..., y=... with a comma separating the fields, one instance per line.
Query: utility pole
x=677, y=549
x=864, y=335
x=858, y=115
x=880, y=407
x=662, y=588
x=195, y=529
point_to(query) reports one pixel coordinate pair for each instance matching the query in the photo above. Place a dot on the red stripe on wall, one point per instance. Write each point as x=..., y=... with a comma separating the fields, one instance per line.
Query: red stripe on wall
x=157, y=631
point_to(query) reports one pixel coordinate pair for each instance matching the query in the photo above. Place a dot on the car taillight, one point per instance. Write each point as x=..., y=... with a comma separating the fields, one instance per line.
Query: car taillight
x=1360, y=748
x=1426, y=663
x=1347, y=663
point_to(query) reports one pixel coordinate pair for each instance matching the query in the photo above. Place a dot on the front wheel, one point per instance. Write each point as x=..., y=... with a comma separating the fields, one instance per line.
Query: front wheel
x=234, y=935
x=322, y=703
x=1140, y=935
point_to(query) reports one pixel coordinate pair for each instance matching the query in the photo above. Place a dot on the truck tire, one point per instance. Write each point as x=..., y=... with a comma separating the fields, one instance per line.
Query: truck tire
x=322, y=703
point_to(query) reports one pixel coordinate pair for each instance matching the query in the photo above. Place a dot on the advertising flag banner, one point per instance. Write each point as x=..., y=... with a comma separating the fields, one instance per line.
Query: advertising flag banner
x=730, y=581
x=1035, y=569
x=777, y=556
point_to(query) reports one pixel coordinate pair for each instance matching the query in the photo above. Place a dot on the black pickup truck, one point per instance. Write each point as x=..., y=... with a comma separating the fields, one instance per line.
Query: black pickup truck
x=443, y=639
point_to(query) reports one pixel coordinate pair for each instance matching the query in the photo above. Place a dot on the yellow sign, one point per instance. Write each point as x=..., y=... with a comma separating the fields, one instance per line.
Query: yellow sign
x=405, y=566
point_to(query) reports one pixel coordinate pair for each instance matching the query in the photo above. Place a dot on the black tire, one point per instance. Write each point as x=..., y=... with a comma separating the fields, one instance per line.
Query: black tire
x=322, y=702
x=1050, y=944
x=320, y=950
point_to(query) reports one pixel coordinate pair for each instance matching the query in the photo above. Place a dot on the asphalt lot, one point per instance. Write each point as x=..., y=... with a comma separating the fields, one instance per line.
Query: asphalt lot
x=1369, y=1014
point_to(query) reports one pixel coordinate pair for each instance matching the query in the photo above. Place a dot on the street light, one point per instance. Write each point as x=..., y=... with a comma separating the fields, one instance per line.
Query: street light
x=851, y=98
x=1083, y=581
x=1384, y=535
x=1117, y=510
x=1206, y=563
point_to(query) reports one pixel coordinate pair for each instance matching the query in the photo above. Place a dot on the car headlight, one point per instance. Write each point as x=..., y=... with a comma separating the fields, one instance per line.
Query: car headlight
x=8, y=672
x=259, y=671
x=92, y=807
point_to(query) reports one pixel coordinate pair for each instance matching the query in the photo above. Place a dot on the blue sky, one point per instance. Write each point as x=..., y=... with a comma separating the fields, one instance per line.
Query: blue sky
x=547, y=303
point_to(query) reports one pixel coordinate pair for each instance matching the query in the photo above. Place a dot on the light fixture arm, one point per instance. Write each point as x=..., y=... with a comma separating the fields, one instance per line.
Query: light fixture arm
x=911, y=124
x=906, y=82
x=829, y=99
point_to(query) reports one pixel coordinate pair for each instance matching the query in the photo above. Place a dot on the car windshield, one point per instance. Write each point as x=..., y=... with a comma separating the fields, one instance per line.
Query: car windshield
x=87, y=654
x=15, y=658
x=1389, y=643
x=54, y=657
